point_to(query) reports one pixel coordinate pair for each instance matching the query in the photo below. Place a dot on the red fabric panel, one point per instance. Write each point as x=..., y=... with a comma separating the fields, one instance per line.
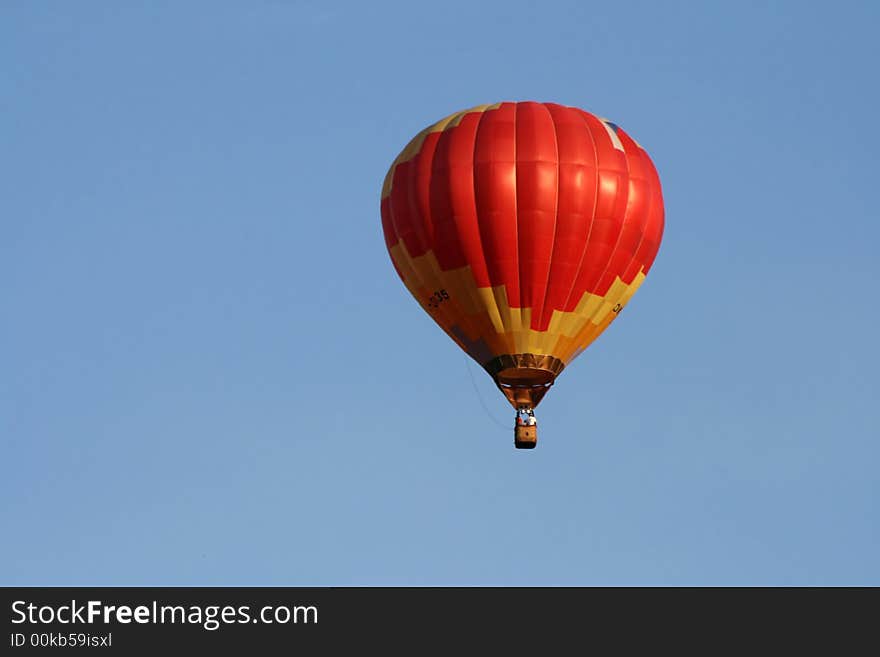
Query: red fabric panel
x=495, y=193
x=534, y=197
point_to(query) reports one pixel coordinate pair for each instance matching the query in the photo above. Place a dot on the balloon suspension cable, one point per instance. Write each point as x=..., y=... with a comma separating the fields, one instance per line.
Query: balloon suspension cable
x=480, y=396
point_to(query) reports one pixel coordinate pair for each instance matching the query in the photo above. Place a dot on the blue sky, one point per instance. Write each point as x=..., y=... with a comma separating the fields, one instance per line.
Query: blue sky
x=211, y=375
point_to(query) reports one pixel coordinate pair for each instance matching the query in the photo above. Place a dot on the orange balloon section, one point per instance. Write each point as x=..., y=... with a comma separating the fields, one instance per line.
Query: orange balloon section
x=523, y=229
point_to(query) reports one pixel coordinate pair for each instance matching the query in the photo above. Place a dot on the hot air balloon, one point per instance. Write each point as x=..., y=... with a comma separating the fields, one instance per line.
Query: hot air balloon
x=523, y=229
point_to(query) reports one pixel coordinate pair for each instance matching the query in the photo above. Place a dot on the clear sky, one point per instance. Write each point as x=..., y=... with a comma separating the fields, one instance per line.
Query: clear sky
x=211, y=375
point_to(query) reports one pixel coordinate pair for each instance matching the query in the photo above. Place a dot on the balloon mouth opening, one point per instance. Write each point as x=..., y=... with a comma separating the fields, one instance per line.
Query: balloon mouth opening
x=526, y=393
x=524, y=369
x=524, y=377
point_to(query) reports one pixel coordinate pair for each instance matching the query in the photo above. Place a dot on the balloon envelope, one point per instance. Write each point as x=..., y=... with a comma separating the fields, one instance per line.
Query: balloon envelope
x=523, y=229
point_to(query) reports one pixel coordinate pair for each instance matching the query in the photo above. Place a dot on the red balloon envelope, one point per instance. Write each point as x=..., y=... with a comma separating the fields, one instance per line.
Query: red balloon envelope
x=523, y=229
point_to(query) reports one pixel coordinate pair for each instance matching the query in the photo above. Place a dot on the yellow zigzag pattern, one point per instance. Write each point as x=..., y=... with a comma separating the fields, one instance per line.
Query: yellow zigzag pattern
x=485, y=314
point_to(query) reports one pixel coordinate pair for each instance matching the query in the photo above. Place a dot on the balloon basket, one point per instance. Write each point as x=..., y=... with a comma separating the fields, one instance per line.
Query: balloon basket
x=525, y=437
